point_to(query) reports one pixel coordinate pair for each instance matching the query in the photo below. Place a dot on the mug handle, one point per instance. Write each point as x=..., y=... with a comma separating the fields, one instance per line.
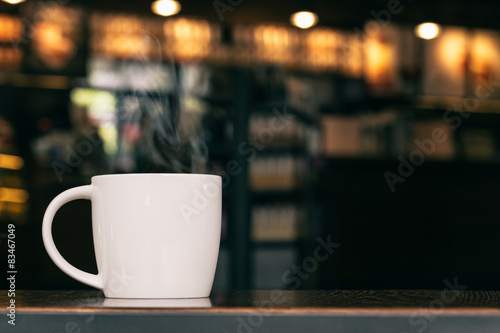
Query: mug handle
x=80, y=192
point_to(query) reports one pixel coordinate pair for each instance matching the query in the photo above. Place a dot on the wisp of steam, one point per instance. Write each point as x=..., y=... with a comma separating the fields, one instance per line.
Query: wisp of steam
x=171, y=139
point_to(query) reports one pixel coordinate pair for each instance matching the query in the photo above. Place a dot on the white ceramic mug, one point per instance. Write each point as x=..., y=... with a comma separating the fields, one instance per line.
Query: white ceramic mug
x=155, y=235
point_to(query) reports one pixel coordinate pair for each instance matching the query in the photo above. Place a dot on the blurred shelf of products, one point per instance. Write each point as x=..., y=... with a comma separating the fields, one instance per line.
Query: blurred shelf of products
x=14, y=197
x=267, y=106
x=277, y=222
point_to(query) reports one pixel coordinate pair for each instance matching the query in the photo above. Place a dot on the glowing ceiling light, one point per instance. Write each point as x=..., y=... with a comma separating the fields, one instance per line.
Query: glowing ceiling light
x=304, y=20
x=166, y=7
x=427, y=30
x=13, y=2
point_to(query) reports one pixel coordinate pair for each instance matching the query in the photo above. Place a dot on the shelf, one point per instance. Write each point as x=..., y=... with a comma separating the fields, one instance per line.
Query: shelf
x=393, y=160
x=267, y=108
x=276, y=244
x=128, y=91
x=276, y=193
x=281, y=150
x=378, y=102
x=435, y=102
x=18, y=80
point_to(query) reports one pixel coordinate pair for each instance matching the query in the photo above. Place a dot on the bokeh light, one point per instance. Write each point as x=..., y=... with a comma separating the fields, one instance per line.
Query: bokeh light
x=427, y=30
x=304, y=20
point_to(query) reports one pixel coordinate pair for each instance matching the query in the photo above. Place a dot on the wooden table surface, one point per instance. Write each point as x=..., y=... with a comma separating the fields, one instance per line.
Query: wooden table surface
x=258, y=311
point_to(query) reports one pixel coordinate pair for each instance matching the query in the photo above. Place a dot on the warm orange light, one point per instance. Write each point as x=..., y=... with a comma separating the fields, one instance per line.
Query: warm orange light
x=379, y=57
x=321, y=38
x=11, y=162
x=427, y=30
x=304, y=20
x=188, y=38
x=271, y=36
x=452, y=51
x=13, y=2
x=484, y=53
x=13, y=195
x=166, y=7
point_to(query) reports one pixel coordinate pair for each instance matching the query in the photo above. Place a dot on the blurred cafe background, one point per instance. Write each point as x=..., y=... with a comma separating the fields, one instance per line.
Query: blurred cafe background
x=367, y=128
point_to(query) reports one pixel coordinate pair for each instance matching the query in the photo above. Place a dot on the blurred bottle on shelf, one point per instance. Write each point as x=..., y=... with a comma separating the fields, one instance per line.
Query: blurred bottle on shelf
x=282, y=222
x=386, y=134
x=435, y=139
x=266, y=131
x=277, y=172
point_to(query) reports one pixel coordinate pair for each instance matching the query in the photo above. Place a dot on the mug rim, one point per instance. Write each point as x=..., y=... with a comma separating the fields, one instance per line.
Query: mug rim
x=118, y=175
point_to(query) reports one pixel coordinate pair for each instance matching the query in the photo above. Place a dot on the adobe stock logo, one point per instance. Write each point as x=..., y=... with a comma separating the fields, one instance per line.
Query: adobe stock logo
x=120, y=281
x=296, y=275
x=426, y=148
x=420, y=319
x=200, y=200
x=454, y=118
x=224, y=6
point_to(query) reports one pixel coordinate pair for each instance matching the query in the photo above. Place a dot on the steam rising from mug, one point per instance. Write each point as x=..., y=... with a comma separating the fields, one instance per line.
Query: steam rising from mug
x=171, y=137
x=167, y=135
